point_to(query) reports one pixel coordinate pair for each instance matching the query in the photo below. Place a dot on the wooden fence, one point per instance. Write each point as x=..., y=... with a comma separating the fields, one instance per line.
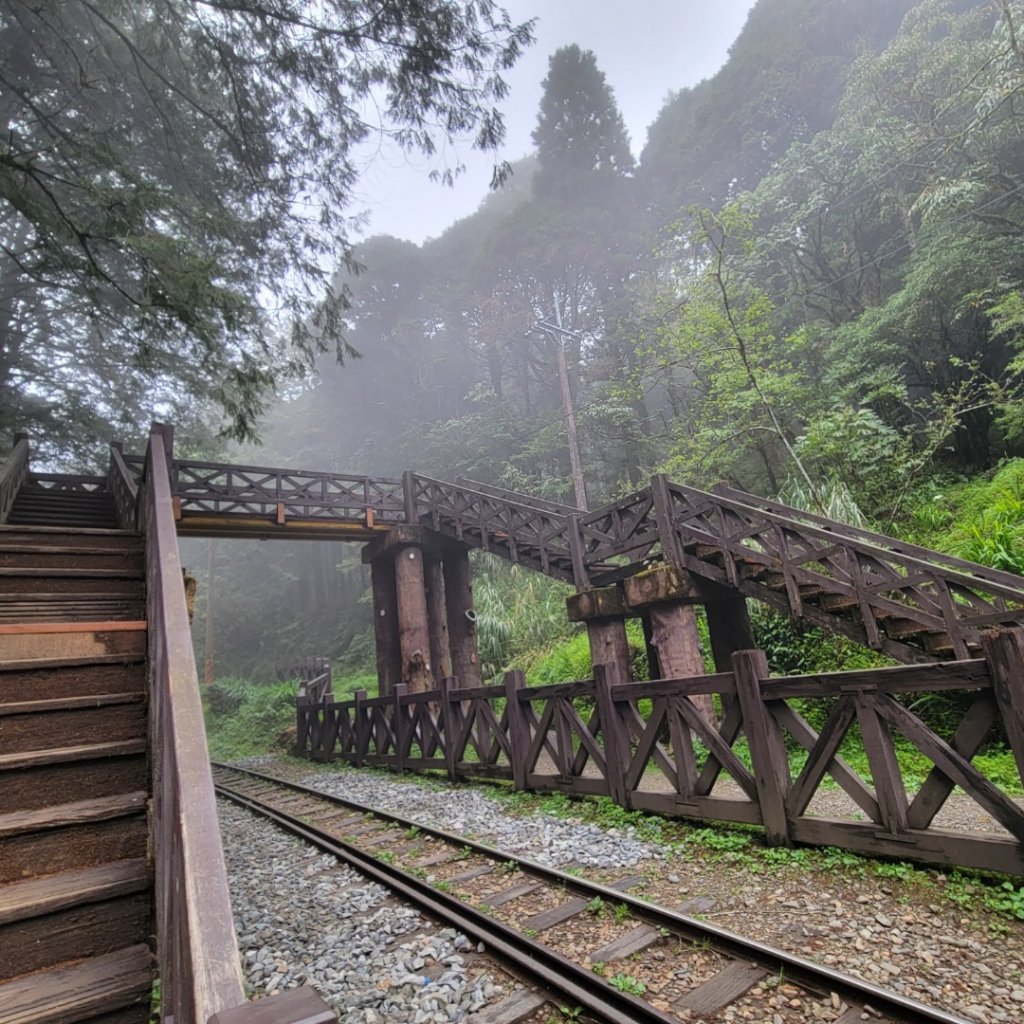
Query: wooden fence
x=646, y=746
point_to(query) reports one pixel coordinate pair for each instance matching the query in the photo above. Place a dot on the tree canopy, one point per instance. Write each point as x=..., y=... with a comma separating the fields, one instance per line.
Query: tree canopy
x=176, y=177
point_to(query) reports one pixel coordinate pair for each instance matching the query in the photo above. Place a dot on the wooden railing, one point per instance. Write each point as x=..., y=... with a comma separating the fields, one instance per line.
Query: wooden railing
x=12, y=474
x=212, y=488
x=646, y=745
x=123, y=486
x=526, y=534
x=868, y=587
x=197, y=947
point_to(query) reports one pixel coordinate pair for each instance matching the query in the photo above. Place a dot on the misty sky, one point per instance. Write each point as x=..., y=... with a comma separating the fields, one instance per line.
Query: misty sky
x=646, y=48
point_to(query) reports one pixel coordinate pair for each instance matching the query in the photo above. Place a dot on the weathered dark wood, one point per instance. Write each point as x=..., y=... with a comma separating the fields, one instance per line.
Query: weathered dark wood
x=613, y=731
x=728, y=625
x=518, y=726
x=767, y=748
x=674, y=633
x=413, y=626
x=729, y=984
x=461, y=614
x=437, y=616
x=1004, y=651
x=885, y=769
x=196, y=936
x=609, y=646
x=451, y=713
x=385, y=622
x=635, y=941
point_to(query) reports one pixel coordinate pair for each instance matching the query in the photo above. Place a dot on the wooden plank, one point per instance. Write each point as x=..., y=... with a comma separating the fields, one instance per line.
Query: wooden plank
x=38, y=896
x=634, y=941
x=62, y=755
x=556, y=915
x=471, y=873
x=885, y=769
x=515, y=893
x=1004, y=651
x=726, y=986
x=78, y=812
x=514, y=1008
x=114, y=626
x=94, y=986
x=69, y=704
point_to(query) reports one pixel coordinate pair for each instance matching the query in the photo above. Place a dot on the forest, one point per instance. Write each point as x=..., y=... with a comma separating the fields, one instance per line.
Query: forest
x=808, y=284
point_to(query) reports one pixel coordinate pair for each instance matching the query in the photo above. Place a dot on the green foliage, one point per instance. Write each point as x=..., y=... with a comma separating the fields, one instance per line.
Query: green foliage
x=244, y=718
x=627, y=983
x=198, y=177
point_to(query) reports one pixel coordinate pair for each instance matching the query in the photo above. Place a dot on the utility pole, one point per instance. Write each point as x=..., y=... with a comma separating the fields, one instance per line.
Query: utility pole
x=557, y=333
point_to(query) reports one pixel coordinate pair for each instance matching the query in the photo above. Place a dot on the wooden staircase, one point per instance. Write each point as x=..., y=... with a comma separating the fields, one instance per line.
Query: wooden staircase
x=75, y=875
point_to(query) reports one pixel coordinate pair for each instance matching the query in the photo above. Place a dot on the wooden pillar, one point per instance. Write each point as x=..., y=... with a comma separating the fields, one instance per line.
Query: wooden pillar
x=437, y=618
x=385, y=623
x=728, y=624
x=413, y=626
x=461, y=616
x=674, y=634
x=609, y=647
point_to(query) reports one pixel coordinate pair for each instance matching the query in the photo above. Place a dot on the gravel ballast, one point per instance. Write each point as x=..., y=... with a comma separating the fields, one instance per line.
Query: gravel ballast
x=907, y=929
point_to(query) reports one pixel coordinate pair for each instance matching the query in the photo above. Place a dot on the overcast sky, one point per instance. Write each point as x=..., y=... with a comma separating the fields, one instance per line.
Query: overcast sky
x=646, y=48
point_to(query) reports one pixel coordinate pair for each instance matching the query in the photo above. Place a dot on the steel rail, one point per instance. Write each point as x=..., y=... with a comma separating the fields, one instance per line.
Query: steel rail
x=552, y=970
x=804, y=972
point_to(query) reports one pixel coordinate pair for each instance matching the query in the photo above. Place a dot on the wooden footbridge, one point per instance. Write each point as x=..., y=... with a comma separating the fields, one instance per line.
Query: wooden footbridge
x=109, y=849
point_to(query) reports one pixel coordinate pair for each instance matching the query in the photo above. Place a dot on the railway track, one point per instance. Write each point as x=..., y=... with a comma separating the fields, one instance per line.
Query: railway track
x=597, y=947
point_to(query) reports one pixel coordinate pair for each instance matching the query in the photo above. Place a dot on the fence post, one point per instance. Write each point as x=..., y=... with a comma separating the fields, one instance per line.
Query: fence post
x=398, y=725
x=301, y=725
x=518, y=727
x=362, y=736
x=1004, y=652
x=449, y=723
x=767, y=747
x=325, y=744
x=616, y=745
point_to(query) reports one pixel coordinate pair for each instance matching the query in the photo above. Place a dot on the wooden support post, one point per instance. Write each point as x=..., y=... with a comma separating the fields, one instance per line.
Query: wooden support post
x=674, y=634
x=767, y=747
x=518, y=726
x=579, y=565
x=360, y=726
x=437, y=617
x=385, y=623
x=728, y=624
x=461, y=616
x=1004, y=651
x=609, y=646
x=449, y=712
x=653, y=663
x=399, y=725
x=413, y=627
x=613, y=730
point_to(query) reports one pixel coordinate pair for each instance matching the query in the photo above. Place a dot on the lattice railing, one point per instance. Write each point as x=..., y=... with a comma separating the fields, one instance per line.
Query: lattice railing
x=210, y=488
x=761, y=761
x=524, y=534
x=869, y=587
x=12, y=474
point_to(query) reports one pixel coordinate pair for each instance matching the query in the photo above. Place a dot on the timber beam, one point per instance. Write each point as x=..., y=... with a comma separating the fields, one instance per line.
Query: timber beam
x=632, y=597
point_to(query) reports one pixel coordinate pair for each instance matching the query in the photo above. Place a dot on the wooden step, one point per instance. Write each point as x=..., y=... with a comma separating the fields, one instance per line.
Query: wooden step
x=37, y=786
x=75, y=572
x=65, y=755
x=47, y=894
x=65, y=995
x=30, y=588
x=110, y=722
x=70, y=610
x=47, y=535
x=70, y=641
x=31, y=707
x=86, y=912
x=81, y=812
x=71, y=679
x=63, y=558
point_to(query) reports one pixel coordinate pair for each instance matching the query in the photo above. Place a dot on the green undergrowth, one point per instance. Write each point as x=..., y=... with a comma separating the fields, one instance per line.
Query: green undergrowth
x=245, y=718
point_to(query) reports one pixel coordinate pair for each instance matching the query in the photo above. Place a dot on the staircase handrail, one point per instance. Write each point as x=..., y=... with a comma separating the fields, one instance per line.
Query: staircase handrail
x=197, y=946
x=123, y=488
x=891, y=545
x=518, y=496
x=953, y=570
x=12, y=474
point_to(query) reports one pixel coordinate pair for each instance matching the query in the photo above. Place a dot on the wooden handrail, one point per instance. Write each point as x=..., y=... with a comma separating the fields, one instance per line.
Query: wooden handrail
x=197, y=947
x=12, y=474
x=125, y=491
